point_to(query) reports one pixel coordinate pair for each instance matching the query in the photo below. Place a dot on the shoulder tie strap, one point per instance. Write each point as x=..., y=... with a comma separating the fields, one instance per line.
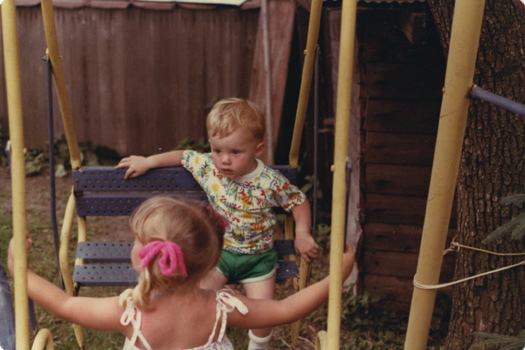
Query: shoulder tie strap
x=226, y=303
x=133, y=316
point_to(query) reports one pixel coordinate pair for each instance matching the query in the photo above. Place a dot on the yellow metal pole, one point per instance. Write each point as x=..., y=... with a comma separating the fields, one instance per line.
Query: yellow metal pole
x=16, y=132
x=464, y=40
x=306, y=80
x=65, y=270
x=60, y=83
x=320, y=341
x=43, y=340
x=304, y=94
x=339, y=193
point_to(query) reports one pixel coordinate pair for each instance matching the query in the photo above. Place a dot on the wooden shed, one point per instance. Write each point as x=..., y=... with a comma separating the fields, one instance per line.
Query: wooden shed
x=397, y=89
x=401, y=69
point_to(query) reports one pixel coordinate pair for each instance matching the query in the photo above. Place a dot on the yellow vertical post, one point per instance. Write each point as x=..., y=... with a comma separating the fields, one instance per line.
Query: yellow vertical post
x=60, y=83
x=306, y=80
x=302, y=105
x=339, y=193
x=16, y=132
x=464, y=41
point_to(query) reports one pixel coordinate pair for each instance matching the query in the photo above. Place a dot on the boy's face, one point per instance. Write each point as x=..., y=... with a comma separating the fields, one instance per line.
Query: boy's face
x=235, y=155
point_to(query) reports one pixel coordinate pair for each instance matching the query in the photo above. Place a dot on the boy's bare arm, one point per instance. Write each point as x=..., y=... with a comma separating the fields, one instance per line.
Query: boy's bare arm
x=305, y=244
x=138, y=165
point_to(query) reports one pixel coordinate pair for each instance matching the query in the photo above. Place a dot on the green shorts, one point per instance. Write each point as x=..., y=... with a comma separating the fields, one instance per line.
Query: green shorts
x=248, y=268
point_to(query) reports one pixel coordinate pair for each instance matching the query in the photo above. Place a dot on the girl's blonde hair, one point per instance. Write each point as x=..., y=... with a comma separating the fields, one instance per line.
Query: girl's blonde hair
x=194, y=226
x=232, y=113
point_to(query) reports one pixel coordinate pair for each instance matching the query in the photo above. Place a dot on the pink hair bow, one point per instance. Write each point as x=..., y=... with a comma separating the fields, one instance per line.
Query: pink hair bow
x=170, y=259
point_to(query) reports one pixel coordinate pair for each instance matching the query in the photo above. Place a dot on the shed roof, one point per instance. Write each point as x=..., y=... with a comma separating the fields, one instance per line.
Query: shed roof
x=147, y=4
x=391, y=1
x=168, y=4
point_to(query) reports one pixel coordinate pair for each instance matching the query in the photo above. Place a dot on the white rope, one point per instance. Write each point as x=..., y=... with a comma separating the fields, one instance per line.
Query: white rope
x=443, y=285
x=457, y=246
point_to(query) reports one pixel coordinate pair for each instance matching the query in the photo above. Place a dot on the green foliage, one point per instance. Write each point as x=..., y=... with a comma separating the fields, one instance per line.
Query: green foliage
x=515, y=228
x=5, y=235
x=36, y=160
x=369, y=327
x=501, y=342
x=238, y=337
x=201, y=145
x=364, y=325
x=91, y=153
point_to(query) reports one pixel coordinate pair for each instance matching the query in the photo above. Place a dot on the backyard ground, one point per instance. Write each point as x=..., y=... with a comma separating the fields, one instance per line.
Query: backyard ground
x=42, y=258
x=362, y=325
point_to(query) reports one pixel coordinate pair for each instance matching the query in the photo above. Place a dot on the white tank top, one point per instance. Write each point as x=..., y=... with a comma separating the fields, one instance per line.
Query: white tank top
x=226, y=303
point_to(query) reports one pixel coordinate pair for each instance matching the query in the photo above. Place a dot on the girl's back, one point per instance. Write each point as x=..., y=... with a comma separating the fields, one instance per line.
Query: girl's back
x=180, y=321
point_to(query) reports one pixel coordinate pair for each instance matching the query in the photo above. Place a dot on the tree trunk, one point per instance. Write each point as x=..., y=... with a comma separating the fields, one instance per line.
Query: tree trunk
x=492, y=167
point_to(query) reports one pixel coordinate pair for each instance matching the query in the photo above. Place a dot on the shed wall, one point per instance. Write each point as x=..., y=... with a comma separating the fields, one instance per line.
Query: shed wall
x=402, y=72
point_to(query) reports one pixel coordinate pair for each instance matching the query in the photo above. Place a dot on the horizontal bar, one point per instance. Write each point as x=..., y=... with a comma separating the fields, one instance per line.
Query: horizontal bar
x=497, y=100
x=122, y=204
x=115, y=275
x=109, y=179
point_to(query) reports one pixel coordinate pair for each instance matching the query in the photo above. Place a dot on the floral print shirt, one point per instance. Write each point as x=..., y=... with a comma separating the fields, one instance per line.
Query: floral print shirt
x=246, y=203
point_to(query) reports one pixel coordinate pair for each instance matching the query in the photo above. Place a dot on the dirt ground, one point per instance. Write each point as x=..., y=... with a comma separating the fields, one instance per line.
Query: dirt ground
x=39, y=223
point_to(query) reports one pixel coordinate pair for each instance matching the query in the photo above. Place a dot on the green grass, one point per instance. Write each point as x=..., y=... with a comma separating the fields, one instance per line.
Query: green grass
x=363, y=326
x=41, y=259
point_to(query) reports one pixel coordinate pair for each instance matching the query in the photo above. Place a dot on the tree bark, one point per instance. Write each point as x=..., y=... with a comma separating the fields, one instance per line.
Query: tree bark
x=492, y=167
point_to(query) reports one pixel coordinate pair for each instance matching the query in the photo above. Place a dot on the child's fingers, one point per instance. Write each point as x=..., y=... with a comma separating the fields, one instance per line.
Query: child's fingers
x=310, y=254
x=128, y=173
x=123, y=163
x=306, y=257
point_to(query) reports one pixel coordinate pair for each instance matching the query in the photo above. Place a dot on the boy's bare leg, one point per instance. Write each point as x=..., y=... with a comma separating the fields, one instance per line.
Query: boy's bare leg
x=260, y=338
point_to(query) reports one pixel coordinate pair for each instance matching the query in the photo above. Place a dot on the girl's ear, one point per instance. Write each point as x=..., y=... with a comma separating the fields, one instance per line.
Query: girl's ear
x=259, y=148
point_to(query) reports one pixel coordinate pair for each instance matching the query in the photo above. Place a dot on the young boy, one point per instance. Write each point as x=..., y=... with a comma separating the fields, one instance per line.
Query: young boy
x=244, y=191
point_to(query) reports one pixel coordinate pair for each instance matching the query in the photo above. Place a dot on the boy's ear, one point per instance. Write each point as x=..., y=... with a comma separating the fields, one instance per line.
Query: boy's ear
x=259, y=148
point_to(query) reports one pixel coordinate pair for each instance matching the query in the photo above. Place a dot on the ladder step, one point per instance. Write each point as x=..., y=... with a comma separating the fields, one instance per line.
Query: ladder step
x=122, y=204
x=123, y=275
x=104, y=252
x=119, y=252
x=104, y=275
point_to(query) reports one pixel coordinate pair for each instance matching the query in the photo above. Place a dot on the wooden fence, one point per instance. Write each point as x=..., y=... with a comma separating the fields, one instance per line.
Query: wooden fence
x=139, y=79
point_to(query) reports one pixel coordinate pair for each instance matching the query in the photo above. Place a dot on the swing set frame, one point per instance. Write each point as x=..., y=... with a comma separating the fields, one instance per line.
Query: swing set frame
x=466, y=27
x=44, y=337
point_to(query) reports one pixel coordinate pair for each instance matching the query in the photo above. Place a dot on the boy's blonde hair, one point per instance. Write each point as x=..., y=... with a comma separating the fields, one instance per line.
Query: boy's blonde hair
x=231, y=113
x=194, y=226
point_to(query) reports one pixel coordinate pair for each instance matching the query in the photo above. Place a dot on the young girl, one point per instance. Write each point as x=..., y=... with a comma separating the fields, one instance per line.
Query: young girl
x=177, y=243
